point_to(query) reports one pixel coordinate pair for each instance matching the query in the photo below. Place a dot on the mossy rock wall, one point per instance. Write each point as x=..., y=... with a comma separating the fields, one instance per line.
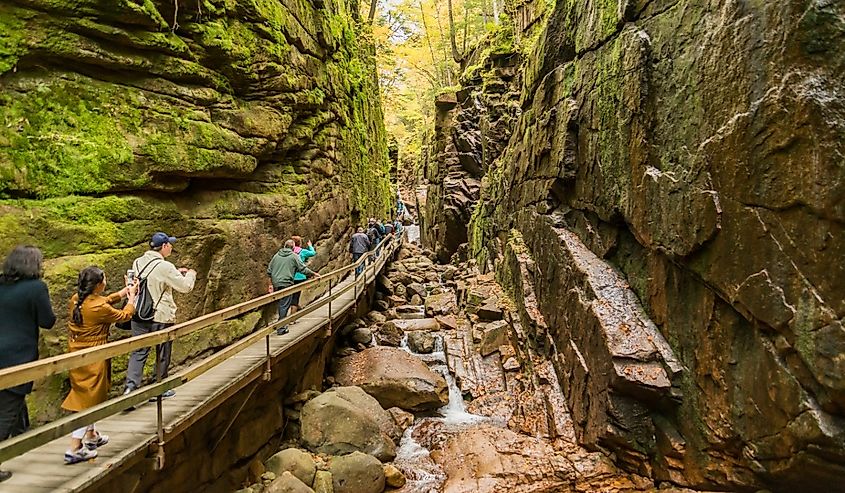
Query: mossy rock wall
x=698, y=148
x=231, y=125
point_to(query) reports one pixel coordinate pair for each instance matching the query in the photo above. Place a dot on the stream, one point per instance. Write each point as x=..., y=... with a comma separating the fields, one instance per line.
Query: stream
x=422, y=473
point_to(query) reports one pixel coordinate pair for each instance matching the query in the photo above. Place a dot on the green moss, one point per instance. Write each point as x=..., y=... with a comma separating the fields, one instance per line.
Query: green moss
x=147, y=9
x=59, y=142
x=12, y=42
x=79, y=225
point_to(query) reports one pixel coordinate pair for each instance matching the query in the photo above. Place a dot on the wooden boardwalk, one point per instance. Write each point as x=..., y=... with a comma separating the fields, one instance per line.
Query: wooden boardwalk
x=132, y=433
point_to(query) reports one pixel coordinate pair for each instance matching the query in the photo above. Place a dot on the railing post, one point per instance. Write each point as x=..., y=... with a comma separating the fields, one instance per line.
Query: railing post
x=355, y=290
x=159, y=464
x=267, y=376
x=330, y=309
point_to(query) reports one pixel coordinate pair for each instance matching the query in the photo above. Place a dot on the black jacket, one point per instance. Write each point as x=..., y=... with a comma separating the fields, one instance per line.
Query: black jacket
x=359, y=243
x=24, y=306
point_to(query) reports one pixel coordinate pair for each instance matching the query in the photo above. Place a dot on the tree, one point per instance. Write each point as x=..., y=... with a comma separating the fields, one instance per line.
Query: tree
x=456, y=55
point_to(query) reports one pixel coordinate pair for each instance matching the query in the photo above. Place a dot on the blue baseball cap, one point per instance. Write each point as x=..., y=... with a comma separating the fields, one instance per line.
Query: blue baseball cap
x=160, y=239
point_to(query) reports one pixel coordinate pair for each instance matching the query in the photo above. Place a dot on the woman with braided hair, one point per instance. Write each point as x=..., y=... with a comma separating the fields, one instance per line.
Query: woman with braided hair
x=91, y=315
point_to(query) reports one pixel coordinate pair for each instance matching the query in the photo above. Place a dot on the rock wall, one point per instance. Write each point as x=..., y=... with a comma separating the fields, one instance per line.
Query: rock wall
x=230, y=125
x=672, y=198
x=471, y=129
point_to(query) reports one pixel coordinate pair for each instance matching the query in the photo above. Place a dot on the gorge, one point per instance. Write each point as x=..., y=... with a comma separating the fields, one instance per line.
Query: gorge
x=631, y=221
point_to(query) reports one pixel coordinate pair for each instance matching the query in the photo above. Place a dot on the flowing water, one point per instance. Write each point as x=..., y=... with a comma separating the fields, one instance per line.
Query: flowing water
x=422, y=473
x=413, y=233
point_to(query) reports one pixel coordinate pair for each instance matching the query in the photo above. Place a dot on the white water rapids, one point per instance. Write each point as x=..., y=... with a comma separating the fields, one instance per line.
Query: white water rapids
x=422, y=473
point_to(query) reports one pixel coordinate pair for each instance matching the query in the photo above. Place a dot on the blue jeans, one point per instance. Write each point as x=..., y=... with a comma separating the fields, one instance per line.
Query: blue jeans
x=360, y=268
x=284, y=305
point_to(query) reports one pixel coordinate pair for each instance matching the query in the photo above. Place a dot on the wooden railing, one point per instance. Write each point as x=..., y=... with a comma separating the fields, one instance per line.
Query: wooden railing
x=16, y=375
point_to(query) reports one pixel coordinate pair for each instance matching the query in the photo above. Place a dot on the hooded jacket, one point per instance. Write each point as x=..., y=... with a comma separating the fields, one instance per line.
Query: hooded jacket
x=283, y=266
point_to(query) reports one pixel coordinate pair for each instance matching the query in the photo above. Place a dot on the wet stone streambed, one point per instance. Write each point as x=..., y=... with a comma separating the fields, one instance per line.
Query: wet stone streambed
x=435, y=390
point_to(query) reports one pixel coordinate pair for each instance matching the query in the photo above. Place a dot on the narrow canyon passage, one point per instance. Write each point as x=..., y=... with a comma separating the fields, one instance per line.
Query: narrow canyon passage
x=623, y=227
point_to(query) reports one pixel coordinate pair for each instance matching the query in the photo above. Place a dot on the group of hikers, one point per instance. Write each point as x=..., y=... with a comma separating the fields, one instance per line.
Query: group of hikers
x=363, y=241
x=149, y=307
x=25, y=306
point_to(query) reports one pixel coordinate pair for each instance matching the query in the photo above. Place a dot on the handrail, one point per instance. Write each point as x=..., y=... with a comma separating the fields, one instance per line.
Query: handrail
x=19, y=374
x=44, y=434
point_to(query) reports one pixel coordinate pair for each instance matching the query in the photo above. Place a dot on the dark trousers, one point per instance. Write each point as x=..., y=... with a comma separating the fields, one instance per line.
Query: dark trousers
x=284, y=305
x=14, y=417
x=360, y=268
x=138, y=358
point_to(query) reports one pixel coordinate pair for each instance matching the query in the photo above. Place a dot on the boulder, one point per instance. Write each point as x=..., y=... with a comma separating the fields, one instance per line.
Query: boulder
x=357, y=473
x=421, y=342
x=440, y=304
x=361, y=335
x=449, y=272
x=396, y=301
x=386, y=283
x=393, y=477
x=410, y=325
x=389, y=334
x=400, y=278
x=495, y=334
x=416, y=300
x=489, y=311
x=376, y=317
x=323, y=482
x=294, y=461
x=400, y=290
x=287, y=483
x=418, y=289
x=346, y=419
x=447, y=322
x=382, y=305
x=394, y=377
x=402, y=419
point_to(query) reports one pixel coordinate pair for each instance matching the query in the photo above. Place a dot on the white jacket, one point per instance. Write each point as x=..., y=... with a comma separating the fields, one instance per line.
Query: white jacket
x=163, y=278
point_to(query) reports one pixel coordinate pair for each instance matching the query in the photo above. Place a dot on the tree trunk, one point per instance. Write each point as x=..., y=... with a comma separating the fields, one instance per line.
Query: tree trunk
x=457, y=56
x=495, y=12
x=372, y=15
x=441, y=78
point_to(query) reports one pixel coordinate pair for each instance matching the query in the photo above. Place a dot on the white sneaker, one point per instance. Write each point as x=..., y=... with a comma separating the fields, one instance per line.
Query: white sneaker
x=81, y=455
x=97, y=442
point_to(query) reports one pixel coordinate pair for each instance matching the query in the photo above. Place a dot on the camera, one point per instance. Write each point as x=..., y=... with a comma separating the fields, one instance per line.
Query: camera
x=130, y=277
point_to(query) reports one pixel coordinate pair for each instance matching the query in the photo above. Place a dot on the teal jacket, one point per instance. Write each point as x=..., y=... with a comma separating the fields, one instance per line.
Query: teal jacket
x=284, y=265
x=304, y=255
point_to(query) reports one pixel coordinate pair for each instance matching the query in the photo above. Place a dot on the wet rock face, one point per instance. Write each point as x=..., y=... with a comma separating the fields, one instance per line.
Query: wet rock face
x=471, y=130
x=696, y=152
x=231, y=130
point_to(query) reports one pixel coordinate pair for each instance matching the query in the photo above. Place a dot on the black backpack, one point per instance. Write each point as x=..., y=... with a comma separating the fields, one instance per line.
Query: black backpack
x=145, y=309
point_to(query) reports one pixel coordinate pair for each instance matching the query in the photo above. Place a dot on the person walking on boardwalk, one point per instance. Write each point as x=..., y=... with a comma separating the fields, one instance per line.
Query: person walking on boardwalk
x=91, y=315
x=359, y=244
x=24, y=307
x=304, y=254
x=162, y=278
x=283, y=266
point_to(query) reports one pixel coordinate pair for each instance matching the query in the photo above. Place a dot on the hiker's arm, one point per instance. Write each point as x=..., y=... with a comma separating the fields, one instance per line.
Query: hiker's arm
x=177, y=281
x=43, y=307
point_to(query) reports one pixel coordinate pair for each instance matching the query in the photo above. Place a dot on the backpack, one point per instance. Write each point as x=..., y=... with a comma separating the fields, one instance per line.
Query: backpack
x=145, y=310
x=372, y=234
